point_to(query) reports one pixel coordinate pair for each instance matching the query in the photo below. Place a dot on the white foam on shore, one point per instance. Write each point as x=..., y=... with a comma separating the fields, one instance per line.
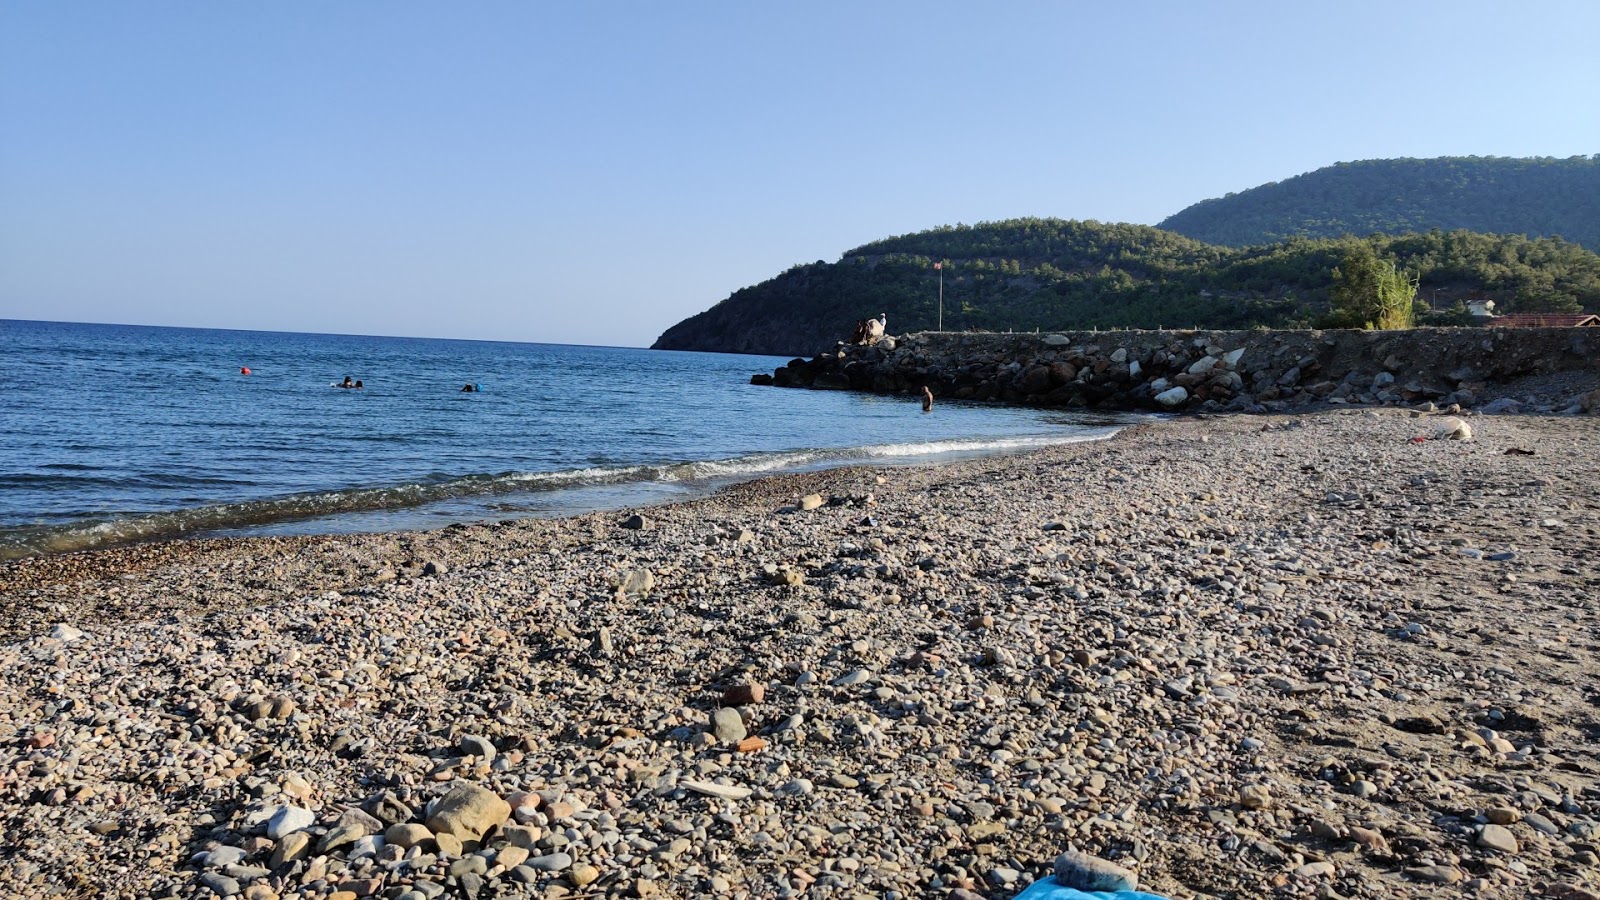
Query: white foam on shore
x=1002, y=445
x=202, y=520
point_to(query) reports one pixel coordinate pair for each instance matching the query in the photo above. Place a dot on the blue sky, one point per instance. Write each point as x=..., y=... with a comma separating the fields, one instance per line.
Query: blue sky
x=594, y=172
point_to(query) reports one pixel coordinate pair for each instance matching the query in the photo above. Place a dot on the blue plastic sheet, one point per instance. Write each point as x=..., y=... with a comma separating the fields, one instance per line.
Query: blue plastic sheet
x=1049, y=889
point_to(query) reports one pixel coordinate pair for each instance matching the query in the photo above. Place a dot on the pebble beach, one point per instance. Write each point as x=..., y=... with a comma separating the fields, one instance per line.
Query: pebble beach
x=1289, y=656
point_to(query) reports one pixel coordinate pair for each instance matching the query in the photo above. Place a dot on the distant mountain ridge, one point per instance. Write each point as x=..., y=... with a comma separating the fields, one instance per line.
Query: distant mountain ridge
x=1538, y=197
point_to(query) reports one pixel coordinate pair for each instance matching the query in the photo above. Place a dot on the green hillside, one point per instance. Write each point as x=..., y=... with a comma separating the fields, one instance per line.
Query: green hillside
x=1052, y=274
x=1498, y=195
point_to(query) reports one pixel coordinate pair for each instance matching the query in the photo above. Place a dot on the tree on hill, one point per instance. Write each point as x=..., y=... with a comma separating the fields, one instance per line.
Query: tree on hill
x=1369, y=292
x=1495, y=195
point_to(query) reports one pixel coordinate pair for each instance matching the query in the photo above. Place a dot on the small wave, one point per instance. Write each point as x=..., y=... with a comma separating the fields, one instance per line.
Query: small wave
x=175, y=479
x=1000, y=445
x=32, y=480
x=34, y=540
x=590, y=475
x=742, y=466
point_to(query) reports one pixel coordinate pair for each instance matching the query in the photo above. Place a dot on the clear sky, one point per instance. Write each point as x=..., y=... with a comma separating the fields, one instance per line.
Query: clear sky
x=593, y=172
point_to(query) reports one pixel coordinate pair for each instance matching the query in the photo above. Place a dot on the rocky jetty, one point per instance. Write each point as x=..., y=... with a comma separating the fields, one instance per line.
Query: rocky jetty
x=1233, y=657
x=1216, y=371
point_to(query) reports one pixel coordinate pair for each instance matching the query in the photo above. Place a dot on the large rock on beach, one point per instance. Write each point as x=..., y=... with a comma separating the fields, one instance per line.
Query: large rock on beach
x=407, y=835
x=1498, y=838
x=1173, y=397
x=289, y=819
x=294, y=846
x=468, y=812
x=727, y=726
x=636, y=584
x=1091, y=873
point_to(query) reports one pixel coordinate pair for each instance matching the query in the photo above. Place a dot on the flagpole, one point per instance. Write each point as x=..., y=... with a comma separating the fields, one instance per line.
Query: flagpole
x=939, y=267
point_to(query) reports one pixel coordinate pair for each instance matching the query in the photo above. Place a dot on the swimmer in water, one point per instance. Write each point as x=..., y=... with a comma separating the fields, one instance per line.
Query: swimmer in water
x=346, y=383
x=467, y=389
x=359, y=385
x=927, y=399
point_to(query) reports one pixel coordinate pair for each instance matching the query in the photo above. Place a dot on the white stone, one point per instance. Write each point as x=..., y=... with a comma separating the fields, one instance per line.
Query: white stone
x=712, y=789
x=1173, y=397
x=371, y=845
x=221, y=856
x=1497, y=837
x=288, y=820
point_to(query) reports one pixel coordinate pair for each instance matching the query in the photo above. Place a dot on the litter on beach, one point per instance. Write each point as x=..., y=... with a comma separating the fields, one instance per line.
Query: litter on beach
x=1081, y=876
x=1050, y=889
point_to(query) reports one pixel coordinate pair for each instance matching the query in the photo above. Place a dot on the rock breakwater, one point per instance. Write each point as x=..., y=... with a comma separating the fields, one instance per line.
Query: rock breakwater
x=1217, y=371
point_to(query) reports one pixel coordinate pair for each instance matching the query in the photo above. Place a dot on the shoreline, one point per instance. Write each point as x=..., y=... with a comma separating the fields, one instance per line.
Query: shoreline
x=415, y=506
x=1243, y=656
x=365, y=555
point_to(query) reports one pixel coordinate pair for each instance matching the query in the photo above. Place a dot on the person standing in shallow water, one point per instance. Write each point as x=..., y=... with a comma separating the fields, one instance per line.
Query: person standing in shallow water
x=927, y=399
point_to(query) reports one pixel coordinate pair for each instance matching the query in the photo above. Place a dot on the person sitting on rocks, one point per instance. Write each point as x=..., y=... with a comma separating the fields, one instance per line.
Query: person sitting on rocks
x=870, y=331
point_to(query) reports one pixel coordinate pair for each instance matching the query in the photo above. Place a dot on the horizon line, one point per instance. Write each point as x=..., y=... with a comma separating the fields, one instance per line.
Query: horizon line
x=411, y=337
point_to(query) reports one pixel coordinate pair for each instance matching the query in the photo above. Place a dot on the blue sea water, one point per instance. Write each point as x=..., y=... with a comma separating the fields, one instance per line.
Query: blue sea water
x=116, y=433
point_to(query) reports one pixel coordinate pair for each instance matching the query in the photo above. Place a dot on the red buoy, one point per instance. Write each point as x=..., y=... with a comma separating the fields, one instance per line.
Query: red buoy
x=244, y=370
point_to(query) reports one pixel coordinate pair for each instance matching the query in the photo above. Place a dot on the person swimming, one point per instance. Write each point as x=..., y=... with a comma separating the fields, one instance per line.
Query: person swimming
x=469, y=388
x=347, y=383
x=359, y=385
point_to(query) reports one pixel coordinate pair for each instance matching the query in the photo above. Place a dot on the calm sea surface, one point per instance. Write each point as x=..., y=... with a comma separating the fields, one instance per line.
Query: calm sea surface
x=112, y=433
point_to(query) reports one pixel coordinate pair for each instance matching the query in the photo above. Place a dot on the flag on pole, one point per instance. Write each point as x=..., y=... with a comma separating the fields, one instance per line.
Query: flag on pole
x=937, y=265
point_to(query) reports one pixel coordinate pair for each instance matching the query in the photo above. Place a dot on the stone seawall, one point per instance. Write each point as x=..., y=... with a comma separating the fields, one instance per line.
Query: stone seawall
x=1240, y=371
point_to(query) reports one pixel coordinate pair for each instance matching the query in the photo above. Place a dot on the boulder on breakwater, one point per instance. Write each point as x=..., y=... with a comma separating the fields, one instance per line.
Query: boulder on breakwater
x=1212, y=371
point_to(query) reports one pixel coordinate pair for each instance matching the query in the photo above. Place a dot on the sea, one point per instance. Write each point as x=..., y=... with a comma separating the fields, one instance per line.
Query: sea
x=111, y=434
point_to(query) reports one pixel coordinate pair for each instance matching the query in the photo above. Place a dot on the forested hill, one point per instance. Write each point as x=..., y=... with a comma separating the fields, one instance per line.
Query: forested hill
x=1535, y=197
x=1051, y=274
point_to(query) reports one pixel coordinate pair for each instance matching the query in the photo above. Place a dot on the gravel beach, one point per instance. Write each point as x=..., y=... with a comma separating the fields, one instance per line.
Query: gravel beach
x=1253, y=656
